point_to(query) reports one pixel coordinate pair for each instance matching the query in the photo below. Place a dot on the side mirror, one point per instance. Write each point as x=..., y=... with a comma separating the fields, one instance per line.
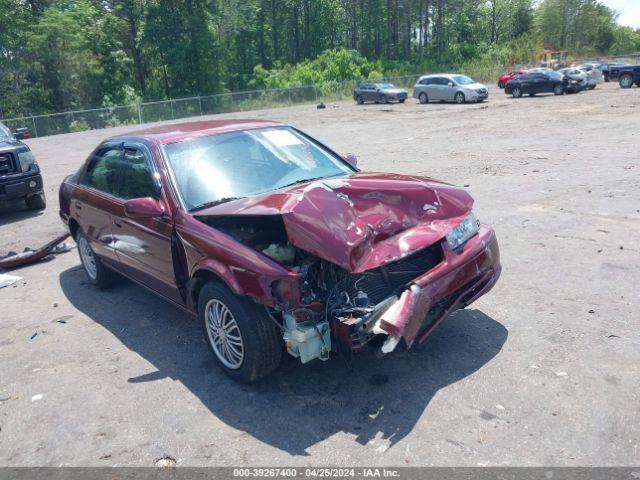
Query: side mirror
x=21, y=133
x=450, y=84
x=146, y=207
x=351, y=159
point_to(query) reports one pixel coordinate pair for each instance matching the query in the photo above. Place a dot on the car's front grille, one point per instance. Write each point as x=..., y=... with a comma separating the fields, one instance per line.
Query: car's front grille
x=7, y=164
x=384, y=281
x=481, y=91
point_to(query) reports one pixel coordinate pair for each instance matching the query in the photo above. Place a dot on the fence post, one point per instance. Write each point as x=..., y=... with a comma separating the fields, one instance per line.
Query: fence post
x=200, y=104
x=139, y=113
x=35, y=130
x=172, y=115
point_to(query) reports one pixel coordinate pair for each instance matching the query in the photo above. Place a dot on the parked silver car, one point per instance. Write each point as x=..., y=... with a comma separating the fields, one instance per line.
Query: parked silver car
x=594, y=75
x=449, y=88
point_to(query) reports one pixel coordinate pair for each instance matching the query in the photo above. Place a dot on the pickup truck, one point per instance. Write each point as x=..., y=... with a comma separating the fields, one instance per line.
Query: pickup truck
x=627, y=75
x=20, y=176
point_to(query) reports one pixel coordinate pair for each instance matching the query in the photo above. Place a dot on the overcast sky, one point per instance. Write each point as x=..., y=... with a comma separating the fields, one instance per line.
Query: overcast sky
x=629, y=11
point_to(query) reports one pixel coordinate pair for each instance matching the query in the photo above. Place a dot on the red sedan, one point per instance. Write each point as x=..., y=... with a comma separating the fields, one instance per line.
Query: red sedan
x=506, y=77
x=275, y=242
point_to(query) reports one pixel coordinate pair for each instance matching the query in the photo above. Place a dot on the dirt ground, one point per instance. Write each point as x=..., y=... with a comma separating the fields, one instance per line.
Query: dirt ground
x=544, y=370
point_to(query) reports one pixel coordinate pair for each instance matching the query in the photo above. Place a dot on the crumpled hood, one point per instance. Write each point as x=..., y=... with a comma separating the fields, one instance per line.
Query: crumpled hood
x=362, y=221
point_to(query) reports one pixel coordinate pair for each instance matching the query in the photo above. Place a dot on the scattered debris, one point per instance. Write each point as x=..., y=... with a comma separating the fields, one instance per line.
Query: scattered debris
x=321, y=106
x=500, y=407
x=6, y=279
x=35, y=334
x=14, y=260
x=613, y=336
x=592, y=311
x=561, y=374
x=534, y=367
x=36, y=398
x=166, y=462
x=62, y=319
x=4, y=398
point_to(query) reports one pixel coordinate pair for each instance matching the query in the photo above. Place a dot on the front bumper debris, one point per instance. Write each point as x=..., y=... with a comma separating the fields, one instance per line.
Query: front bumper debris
x=458, y=281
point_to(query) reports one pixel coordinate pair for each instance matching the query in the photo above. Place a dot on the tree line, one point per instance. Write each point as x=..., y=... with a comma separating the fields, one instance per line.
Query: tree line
x=58, y=55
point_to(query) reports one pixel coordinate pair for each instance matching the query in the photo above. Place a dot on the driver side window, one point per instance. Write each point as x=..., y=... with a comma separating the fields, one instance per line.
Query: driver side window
x=137, y=178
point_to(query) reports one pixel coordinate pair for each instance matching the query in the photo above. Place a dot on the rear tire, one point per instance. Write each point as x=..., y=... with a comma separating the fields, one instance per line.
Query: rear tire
x=459, y=98
x=517, y=92
x=423, y=98
x=96, y=272
x=359, y=100
x=402, y=100
x=384, y=99
x=626, y=80
x=591, y=87
x=501, y=84
x=251, y=340
x=36, y=202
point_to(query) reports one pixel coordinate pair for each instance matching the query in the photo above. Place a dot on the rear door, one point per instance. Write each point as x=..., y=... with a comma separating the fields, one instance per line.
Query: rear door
x=94, y=201
x=144, y=245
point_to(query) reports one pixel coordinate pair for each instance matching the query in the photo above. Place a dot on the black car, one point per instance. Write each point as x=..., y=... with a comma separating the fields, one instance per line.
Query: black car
x=379, y=93
x=19, y=172
x=541, y=82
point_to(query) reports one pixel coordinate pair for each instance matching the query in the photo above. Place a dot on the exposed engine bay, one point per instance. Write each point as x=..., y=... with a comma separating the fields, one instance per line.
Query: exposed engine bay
x=336, y=304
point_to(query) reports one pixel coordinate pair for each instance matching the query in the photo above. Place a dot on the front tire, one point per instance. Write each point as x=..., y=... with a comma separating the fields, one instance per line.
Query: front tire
x=245, y=342
x=591, y=87
x=36, y=202
x=626, y=81
x=96, y=272
x=517, y=92
x=384, y=99
x=501, y=84
x=359, y=100
x=459, y=98
x=558, y=90
x=423, y=98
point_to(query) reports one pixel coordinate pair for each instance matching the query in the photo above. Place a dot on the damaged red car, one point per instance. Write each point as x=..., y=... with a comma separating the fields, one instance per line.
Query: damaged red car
x=275, y=242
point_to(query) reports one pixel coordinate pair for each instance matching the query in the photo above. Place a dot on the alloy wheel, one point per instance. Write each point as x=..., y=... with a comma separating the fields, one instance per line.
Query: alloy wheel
x=88, y=258
x=224, y=334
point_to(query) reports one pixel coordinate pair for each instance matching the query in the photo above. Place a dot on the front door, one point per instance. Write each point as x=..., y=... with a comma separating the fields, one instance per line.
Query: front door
x=143, y=245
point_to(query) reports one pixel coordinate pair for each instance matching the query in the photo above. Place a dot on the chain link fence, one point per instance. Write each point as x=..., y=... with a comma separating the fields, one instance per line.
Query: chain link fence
x=145, y=112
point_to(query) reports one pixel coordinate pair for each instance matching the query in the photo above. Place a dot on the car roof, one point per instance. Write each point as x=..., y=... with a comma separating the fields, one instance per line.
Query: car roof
x=175, y=132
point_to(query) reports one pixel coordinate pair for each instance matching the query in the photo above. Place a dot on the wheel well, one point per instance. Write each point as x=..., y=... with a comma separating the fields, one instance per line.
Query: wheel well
x=198, y=281
x=73, y=228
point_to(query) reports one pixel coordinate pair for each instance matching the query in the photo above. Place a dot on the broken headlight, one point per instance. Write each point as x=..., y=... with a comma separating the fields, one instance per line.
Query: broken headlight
x=463, y=232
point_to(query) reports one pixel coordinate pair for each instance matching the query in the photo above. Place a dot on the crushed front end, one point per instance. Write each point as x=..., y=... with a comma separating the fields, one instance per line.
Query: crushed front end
x=372, y=260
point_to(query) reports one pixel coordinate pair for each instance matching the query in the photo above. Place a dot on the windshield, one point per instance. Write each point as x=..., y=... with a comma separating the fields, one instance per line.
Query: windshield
x=385, y=85
x=223, y=167
x=5, y=133
x=556, y=75
x=462, y=80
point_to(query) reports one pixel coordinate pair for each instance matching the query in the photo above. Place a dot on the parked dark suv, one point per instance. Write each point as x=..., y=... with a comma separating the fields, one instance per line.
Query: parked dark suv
x=19, y=172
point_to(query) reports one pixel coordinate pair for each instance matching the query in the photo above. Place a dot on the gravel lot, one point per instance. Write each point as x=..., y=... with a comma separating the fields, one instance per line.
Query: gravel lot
x=544, y=370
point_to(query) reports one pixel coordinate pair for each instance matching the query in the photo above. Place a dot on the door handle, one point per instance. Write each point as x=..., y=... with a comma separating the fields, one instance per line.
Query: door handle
x=117, y=224
x=78, y=206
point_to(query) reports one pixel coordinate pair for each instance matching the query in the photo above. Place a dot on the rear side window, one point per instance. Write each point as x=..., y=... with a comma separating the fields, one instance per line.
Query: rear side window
x=137, y=179
x=102, y=172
